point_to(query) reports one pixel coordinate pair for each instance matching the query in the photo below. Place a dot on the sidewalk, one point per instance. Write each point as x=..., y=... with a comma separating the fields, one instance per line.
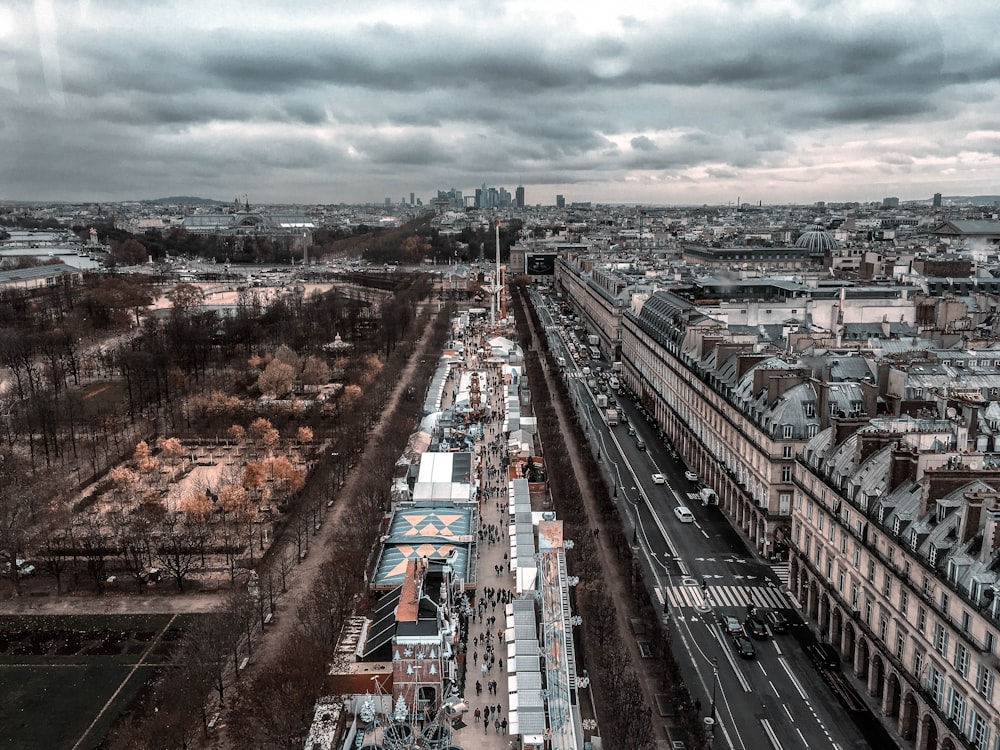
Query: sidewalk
x=486, y=657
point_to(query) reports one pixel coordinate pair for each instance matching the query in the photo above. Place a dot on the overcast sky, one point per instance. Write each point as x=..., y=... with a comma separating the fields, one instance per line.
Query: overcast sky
x=641, y=102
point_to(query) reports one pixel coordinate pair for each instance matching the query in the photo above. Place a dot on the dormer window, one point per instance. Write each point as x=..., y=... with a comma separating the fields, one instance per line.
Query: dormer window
x=787, y=431
x=881, y=514
x=932, y=555
x=810, y=409
x=895, y=525
x=914, y=540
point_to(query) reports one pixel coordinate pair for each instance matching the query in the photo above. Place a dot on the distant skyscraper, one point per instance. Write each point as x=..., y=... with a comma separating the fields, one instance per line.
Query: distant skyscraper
x=937, y=200
x=519, y=196
x=411, y=199
x=479, y=198
x=560, y=201
x=388, y=202
x=890, y=203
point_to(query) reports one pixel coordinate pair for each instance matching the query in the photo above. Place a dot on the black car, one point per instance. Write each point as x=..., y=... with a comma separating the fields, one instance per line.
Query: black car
x=824, y=655
x=755, y=627
x=777, y=621
x=744, y=647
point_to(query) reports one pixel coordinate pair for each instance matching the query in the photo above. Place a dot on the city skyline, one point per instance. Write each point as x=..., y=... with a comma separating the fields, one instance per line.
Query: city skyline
x=706, y=102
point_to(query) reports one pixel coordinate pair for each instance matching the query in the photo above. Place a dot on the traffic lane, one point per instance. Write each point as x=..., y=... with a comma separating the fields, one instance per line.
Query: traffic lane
x=765, y=698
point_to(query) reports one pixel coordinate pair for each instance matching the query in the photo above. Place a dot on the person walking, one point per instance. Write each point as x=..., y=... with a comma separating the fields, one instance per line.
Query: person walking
x=477, y=714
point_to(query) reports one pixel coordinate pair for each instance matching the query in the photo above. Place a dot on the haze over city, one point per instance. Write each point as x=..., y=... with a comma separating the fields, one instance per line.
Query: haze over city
x=693, y=102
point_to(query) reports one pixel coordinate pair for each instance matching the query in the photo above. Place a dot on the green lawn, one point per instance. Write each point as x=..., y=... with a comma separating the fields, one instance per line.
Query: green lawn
x=52, y=706
x=57, y=673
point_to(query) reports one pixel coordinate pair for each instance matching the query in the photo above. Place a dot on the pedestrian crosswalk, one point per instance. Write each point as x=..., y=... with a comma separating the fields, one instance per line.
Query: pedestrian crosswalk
x=726, y=596
x=781, y=570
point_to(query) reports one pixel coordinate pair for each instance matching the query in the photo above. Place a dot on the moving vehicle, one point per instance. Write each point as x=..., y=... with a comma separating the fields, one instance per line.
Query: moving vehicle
x=744, y=647
x=755, y=627
x=777, y=621
x=731, y=625
x=684, y=515
x=691, y=476
x=595, y=353
x=640, y=444
x=708, y=496
x=659, y=479
x=611, y=417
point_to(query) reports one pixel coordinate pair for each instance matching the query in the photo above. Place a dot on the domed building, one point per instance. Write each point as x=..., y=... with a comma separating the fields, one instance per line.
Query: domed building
x=817, y=241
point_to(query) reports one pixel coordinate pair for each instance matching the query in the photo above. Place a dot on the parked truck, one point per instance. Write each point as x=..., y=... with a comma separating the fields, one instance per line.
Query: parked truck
x=602, y=401
x=611, y=416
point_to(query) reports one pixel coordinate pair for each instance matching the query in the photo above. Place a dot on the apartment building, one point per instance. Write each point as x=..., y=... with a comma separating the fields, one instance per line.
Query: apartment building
x=895, y=551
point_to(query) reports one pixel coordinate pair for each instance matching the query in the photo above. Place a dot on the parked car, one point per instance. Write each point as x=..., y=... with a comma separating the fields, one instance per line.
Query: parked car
x=777, y=621
x=755, y=627
x=659, y=479
x=691, y=476
x=824, y=655
x=744, y=647
x=683, y=514
x=731, y=625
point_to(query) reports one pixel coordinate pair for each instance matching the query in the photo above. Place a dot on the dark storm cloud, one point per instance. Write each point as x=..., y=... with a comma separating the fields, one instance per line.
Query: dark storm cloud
x=561, y=94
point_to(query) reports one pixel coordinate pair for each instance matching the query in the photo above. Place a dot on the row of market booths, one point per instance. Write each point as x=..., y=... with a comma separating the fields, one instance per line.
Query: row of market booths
x=398, y=674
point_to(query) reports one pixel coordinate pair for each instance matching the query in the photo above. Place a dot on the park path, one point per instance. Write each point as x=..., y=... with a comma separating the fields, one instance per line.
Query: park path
x=302, y=577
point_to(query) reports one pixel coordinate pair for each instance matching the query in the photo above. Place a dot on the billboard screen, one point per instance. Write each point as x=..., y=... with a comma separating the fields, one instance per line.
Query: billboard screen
x=540, y=265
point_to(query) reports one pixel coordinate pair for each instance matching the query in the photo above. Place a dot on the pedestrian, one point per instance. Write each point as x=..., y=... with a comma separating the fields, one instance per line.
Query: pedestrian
x=496, y=723
x=479, y=688
x=503, y=725
x=477, y=714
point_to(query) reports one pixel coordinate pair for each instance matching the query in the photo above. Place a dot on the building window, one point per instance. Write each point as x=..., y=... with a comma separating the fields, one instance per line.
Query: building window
x=813, y=429
x=840, y=582
x=784, y=504
x=984, y=682
x=945, y=601
x=989, y=641
x=786, y=451
x=883, y=629
x=956, y=707
x=966, y=620
x=935, y=683
x=895, y=525
x=868, y=612
x=900, y=644
x=871, y=571
x=979, y=731
x=786, y=473
x=940, y=639
x=843, y=542
x=787, y=431
x=921, y=619
x=857, y=555
x=904, y=601
x=886, y=585
x=962, y=660
x=855, y=596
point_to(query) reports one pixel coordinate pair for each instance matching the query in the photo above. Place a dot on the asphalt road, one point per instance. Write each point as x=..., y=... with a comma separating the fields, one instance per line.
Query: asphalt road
x=698, y=573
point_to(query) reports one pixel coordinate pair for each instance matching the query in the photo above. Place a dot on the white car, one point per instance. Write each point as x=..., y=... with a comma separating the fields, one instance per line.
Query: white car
x=691, y=475
x=683, y=514
x=659, y=479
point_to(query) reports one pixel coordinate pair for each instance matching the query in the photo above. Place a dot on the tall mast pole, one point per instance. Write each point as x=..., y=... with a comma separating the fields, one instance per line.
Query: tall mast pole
x=499, y=279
